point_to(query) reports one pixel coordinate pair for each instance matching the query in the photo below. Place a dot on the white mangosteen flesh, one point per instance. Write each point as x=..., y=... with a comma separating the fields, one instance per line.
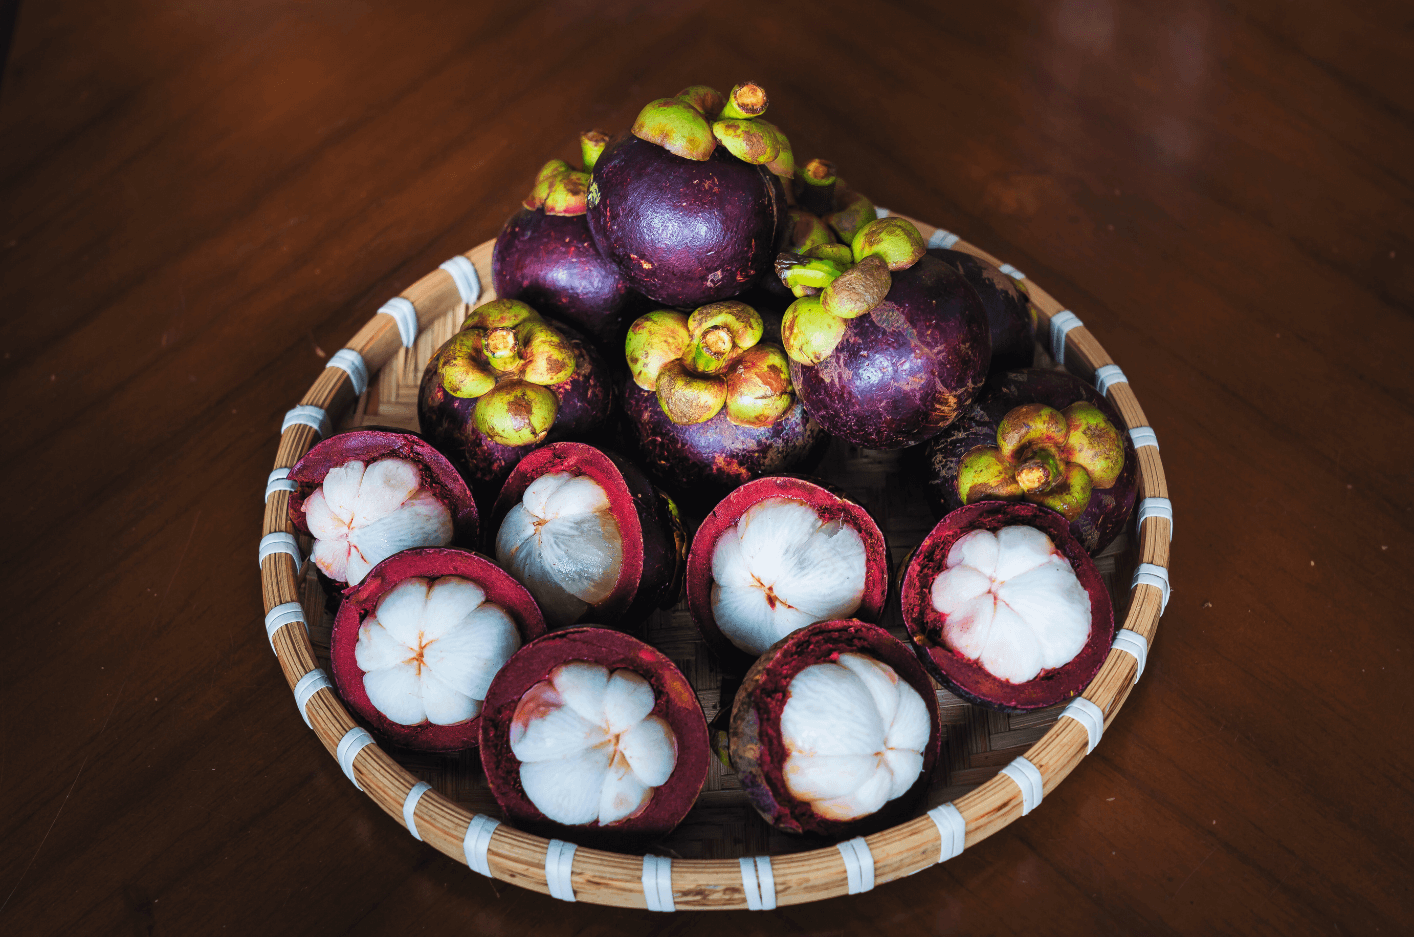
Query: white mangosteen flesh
x=588, y=747
x=780, y=568
x=562, y=543
x=361, y=515
x=430, y=649
x=1012, y=602
x=855, y=734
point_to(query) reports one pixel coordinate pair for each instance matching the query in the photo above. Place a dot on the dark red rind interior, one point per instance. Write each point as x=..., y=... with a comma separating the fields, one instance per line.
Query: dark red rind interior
x=758, y=752
x=432, y=563
x=650, y=551
x=1109, y=508
x=969, y=679
x=830, y=503
x=368, y=446
x=675, y=702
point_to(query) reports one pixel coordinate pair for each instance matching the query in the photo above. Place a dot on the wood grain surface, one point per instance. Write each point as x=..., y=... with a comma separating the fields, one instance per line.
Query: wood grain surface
x=200, y=201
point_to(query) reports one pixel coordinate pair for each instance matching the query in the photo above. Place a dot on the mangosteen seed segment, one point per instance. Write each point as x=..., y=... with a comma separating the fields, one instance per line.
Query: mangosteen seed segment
x=366, y=494
x=589, y=748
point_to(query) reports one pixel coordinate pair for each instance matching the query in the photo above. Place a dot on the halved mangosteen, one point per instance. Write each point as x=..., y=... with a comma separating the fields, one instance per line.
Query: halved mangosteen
x=366, y=494
x=1006, y=608
x=416, y=644
x=592, y=735
x=835, y=730
x=589, y=536
x=777, y=554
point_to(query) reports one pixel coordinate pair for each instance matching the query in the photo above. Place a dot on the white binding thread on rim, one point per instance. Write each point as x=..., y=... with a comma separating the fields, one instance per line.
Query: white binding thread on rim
x=880, y=212
x=1155, y=507
x=281, y=615
x=858, y=864
x=1152, y=574
x=351, y=363
x=354, y=741
x=1028, y=778
x=559, y=859
x=1090, y=716
x=1132, y=643
x=1012, y=272
x=404, y=313
x=952, y=830
x=477, y=842
x=305, y=415
x=1061, y=324
x=759, y=883
x=308, y=685
x=943, y=239
x=410, y=807
x=1143, y=436
x=658, y=883
x=1106, y=376
x=464, y=275
x=279, y=480
x=280, y=542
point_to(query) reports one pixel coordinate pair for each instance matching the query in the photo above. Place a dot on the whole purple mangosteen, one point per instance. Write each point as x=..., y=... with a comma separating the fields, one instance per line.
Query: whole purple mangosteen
x=508, y=382
x=689, y=205
x=709, y=405
x=546, y=258
x=1010, y=317
x=887, y=344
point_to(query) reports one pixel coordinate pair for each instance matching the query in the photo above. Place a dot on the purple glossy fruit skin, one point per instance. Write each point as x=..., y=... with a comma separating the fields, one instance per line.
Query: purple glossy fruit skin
x=907, y=368
x=550, y=263
x=1009, y=315
x=1109, y=508
x=684, y=232
x=586, y=401
x=700, y=463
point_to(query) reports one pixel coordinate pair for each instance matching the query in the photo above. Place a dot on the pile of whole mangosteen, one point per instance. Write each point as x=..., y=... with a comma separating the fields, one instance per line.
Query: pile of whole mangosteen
x=686, y=320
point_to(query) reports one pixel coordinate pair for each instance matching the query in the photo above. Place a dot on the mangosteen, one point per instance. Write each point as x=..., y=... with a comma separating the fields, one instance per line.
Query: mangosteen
x=416, y=644
x=709, y=405
x=1041, y=436
x=777, y=554
x=688, y=205
x=589, y=536
x=546, y=258
x=366, y=494
x=1006, y=608
x=887, y=344
x=508, y=382
x=1010, y=317
x=593, y=736
x=835, y=730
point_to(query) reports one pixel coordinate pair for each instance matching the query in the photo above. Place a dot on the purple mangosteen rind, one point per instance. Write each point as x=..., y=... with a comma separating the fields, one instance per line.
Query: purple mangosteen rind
x=1108, y=512
x=648, y=576
x=371, y=445
x=1010, y=316
x=362, y=600
x=700, y=462
x=830, y=503
x=758, y=752
x=674, y=701
x=969, y=679
x=902, y=372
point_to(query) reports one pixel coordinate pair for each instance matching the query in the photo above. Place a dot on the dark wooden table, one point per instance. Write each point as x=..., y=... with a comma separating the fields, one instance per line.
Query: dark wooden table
x=200, y=200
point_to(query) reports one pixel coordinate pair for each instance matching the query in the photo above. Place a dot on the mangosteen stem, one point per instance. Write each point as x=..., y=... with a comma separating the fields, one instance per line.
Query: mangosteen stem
x=591, y=146
x=815, y=187
x=1040, y=471
x=747, y=99
x=709, y=354
x=502, y=349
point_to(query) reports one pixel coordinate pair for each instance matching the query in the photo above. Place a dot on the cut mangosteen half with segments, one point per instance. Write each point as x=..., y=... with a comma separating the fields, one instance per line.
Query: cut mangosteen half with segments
x=777, y=554
x=1006, y=608
x=416, y=644
x=592, y=735
x=366, y=494
x=835, y=730
x=588, y=535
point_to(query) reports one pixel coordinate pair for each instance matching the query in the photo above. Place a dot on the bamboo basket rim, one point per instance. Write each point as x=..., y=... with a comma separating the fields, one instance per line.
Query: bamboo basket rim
x=634, y=881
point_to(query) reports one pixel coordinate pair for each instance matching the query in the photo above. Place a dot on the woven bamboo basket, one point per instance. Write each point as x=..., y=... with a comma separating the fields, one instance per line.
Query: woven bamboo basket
x=994, y=768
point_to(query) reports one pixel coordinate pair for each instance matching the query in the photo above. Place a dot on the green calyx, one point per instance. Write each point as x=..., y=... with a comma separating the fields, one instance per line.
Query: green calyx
x=699, y=363
x=894, y=239
x=692, y=124
x=747, y=100
x=591, y=147
x=507, y=358
x=1046, y=456
x=807, y=231
x=559, y=189
x=808, y=332
x=857, y=290
x=751, y=141
x=678, y=127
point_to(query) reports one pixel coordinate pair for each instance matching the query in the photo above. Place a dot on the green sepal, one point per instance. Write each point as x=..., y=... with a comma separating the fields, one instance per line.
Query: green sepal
x=747, y=140
x=808, y=332
x=759, y=390
x=653, y=340
x=894, y=239
x=677, y=127
x=516, y=413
